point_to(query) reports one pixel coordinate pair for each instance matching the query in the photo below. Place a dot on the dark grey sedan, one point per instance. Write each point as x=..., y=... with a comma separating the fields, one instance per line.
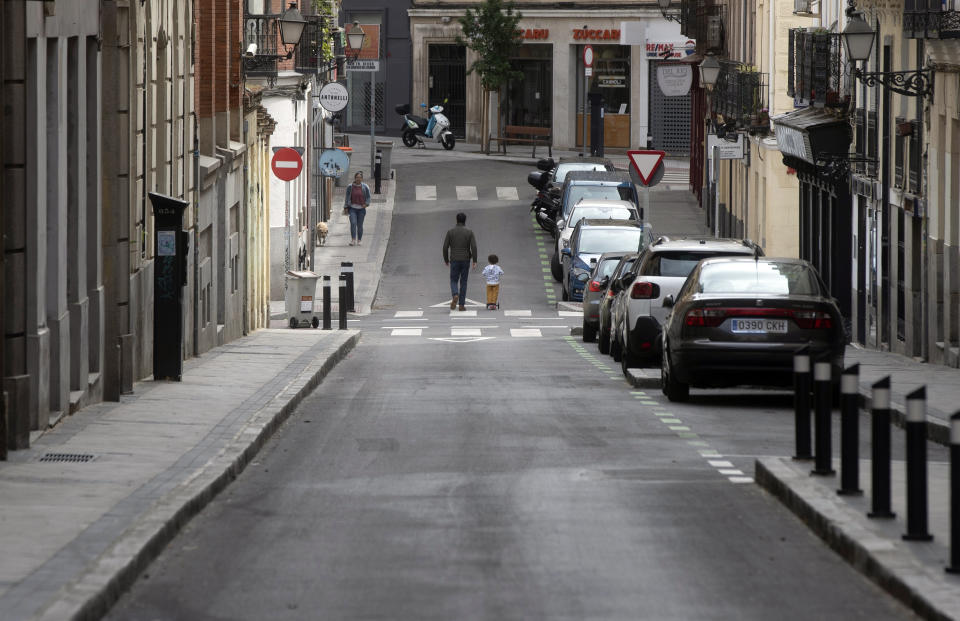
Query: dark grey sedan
x=739, y=321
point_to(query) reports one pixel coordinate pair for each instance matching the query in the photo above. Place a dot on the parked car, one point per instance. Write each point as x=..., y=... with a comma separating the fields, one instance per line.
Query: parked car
x=549, y=177
x=606, y=299
x=739, y=321
x=588, y=208
x=638, y=310
x=607, y=266
x=589, y=240
x=597, y=184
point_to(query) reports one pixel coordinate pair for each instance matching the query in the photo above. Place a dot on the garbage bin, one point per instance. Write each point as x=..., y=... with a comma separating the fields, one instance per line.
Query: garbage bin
x=301, y=292
x=344, y=180
x=386, y=150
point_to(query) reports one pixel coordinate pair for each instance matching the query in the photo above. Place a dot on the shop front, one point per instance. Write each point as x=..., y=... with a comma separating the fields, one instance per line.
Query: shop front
x=554, y=85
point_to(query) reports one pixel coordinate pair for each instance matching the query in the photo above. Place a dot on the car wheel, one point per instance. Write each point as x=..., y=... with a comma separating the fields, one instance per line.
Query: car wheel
x=409, y=139
x=674, y=390
x=615, y=349
x=603, y=341
x=627, y=360
x=555, y=268
x=589, y=332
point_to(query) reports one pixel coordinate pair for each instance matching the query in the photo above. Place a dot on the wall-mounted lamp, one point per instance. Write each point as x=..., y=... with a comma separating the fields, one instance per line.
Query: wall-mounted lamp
x=355, y=39
x=858, y=38
x=664, y=8
x=709, y=72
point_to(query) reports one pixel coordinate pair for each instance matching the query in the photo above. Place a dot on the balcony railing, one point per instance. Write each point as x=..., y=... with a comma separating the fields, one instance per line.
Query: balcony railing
x=309, y=57
x=261, y=30
x=703, y=21
x=931, y=19
x=740, y=97
x=815, y=72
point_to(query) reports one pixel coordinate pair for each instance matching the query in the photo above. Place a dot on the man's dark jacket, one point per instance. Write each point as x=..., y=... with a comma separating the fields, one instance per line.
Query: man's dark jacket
x=459, y=245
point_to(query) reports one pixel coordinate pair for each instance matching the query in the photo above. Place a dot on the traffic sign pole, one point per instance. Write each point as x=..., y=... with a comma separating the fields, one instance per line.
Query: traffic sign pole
x=587, y=67
x=287, y=165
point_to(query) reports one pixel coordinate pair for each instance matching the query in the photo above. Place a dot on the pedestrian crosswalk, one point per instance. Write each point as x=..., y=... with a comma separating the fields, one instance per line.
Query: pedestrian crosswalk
x=479, y=325
x=466, y=193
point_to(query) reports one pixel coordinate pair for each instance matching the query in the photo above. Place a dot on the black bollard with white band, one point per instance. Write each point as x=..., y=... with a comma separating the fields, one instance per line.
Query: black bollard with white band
x=916, y=431
x=850, y=432
x=954, y=566
x=880, y=443
x=326, y=303
x=822, y=406
x=801, y=404
x=346, y=270
x=341, y=302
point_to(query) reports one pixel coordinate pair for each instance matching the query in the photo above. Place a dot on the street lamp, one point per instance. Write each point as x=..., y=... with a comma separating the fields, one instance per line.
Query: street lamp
x=355, y=38
x=858, y=39
x=709, y=72
x=291, y=25
x=664, y=7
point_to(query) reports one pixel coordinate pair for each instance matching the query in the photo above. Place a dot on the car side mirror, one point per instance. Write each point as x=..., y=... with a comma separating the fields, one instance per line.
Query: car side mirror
x=561, y=223
x=565, y=252
x=668, y=301
x=616, y=287
x=627, y=279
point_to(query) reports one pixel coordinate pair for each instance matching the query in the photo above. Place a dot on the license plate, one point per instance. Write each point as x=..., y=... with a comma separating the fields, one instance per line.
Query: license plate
x=758, y=326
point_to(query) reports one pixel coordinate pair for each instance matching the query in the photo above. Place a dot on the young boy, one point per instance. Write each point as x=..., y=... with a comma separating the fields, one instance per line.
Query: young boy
x=492, y=274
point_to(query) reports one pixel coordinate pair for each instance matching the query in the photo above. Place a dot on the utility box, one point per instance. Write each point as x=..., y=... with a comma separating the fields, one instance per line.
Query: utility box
x=385, y=147
x=169, y=277
x=300, y=297
x=596, y=124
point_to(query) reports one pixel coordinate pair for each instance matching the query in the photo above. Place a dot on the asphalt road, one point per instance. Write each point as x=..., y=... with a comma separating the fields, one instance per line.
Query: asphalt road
x=493, y=467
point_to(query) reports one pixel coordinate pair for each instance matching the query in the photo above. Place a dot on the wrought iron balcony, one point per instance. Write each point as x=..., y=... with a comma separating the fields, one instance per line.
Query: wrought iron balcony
x=740, y=97
x=815, y=75
x=309, y=56
x=703, y=21
x=262, y=31
x=931, y=19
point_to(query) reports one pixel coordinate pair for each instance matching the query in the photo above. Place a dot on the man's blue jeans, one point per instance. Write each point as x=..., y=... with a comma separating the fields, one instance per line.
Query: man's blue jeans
x=458, y=280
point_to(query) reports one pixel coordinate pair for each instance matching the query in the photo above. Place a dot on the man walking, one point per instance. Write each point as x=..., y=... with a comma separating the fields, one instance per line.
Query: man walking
x=459, y=249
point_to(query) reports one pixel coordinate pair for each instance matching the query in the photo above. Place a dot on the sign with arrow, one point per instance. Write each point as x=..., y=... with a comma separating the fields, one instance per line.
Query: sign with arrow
x=646, y=164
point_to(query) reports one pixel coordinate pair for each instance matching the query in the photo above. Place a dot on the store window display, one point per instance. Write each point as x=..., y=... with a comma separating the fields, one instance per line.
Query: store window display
x=611, y=78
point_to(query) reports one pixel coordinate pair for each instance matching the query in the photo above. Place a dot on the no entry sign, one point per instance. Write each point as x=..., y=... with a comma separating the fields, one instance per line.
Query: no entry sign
x=286, y=164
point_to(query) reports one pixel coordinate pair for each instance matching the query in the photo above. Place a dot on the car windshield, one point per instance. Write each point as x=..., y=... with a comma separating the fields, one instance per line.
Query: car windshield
x=758, y=277
x=676, y=263
x=598, y=241
x=564, y=169
x=579, y=191
x=612, y=213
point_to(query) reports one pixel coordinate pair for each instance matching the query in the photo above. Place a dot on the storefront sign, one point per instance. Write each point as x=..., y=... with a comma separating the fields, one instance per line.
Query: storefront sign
x=794, y=142
x=363, y=65
x=600, y=34
x=670, y=49
x=535, y=33
x=333, y=97
x=726, y=150
x=674, y=79
x=612, y=81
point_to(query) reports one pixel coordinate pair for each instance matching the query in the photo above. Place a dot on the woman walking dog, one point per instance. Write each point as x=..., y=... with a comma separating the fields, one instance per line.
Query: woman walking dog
x=355, y=203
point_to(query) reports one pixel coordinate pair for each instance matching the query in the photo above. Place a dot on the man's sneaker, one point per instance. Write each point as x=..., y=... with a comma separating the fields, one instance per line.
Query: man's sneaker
x=453, y=302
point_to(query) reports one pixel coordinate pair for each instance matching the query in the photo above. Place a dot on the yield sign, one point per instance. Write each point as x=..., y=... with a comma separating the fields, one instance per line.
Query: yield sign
x=645, y=163
x=286, y=164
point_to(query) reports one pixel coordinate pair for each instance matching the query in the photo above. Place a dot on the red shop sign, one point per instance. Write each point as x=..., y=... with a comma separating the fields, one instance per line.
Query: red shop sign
x=596, y=34
x=535, y=33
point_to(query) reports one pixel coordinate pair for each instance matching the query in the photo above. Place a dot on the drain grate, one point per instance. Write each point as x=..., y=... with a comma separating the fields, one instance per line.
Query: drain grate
x=72, y=458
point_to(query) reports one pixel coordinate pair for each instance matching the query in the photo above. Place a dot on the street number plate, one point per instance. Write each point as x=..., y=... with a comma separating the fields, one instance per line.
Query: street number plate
x=758, y=326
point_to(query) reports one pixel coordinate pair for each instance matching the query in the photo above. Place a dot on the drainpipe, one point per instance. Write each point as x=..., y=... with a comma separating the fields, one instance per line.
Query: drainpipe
x=196, y=237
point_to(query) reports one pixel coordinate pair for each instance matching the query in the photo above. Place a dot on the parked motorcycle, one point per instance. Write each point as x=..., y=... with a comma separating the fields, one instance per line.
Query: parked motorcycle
x=414, y=128
x=545, y=205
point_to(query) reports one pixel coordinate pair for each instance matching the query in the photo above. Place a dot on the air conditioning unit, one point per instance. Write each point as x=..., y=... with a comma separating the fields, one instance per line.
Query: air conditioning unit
x=806, y=8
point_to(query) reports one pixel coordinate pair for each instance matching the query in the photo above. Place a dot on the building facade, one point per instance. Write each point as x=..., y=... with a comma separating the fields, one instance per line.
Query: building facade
x=629, y=42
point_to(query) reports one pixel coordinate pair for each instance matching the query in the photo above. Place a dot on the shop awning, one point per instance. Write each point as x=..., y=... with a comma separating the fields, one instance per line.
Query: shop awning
x=811, y=133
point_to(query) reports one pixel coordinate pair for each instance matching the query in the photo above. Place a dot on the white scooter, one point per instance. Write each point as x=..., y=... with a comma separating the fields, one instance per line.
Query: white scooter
x=415, y=132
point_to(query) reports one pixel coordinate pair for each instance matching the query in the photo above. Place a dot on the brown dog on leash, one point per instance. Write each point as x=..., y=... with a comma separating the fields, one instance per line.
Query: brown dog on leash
x=322, y=231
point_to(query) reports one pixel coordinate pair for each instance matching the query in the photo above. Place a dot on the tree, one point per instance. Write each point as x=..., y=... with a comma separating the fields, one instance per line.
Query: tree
x=492, y=32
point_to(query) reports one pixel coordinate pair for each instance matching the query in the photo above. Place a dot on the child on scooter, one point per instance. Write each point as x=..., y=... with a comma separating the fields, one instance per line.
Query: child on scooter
x=492, y=273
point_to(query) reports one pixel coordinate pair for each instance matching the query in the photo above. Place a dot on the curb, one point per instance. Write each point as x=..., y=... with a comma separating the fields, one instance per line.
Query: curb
x=114, y=572
x=879, y=563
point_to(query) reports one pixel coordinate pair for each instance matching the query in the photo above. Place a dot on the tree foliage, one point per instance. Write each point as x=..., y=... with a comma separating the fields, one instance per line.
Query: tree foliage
x=492, y=32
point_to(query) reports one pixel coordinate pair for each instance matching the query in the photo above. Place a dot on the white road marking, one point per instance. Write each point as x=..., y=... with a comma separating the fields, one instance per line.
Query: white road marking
x=731, y=471
x=426, y=192
x=741, y=479
x=447, y=303
x=570, y=313
x=463, y=314
x=400, y=314
x=466, y=192
x=525, y=332
x=461, y=339
x=465, y=332
x=671, y=421
x=507, y=194
x=407, y=332
x=678, y=428
x=710, y=453
x=517, y=313
x=720, y=463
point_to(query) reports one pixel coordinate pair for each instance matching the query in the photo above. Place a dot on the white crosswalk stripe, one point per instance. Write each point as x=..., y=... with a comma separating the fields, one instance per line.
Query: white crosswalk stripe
x=426, y=192
x=466, y=192
x=407, y=332
x=408, y=314
x=465, y=332
x=525, y=332
x=517, y=313
x=507, y=194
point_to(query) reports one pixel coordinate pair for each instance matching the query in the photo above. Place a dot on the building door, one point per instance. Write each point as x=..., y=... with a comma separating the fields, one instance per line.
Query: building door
x=669, y=117
x=528, y=99
x=448, y=81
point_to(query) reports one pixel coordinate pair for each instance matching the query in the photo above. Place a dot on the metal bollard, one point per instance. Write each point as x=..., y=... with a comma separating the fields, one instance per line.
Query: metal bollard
x=376, y=174
x=954, y=566
x=326, y=303
x=823, y=460
x=916, y=430
x=850, y=432
x=801, y=403
x=880, y=441
x=342, y=307
x=346, y=269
